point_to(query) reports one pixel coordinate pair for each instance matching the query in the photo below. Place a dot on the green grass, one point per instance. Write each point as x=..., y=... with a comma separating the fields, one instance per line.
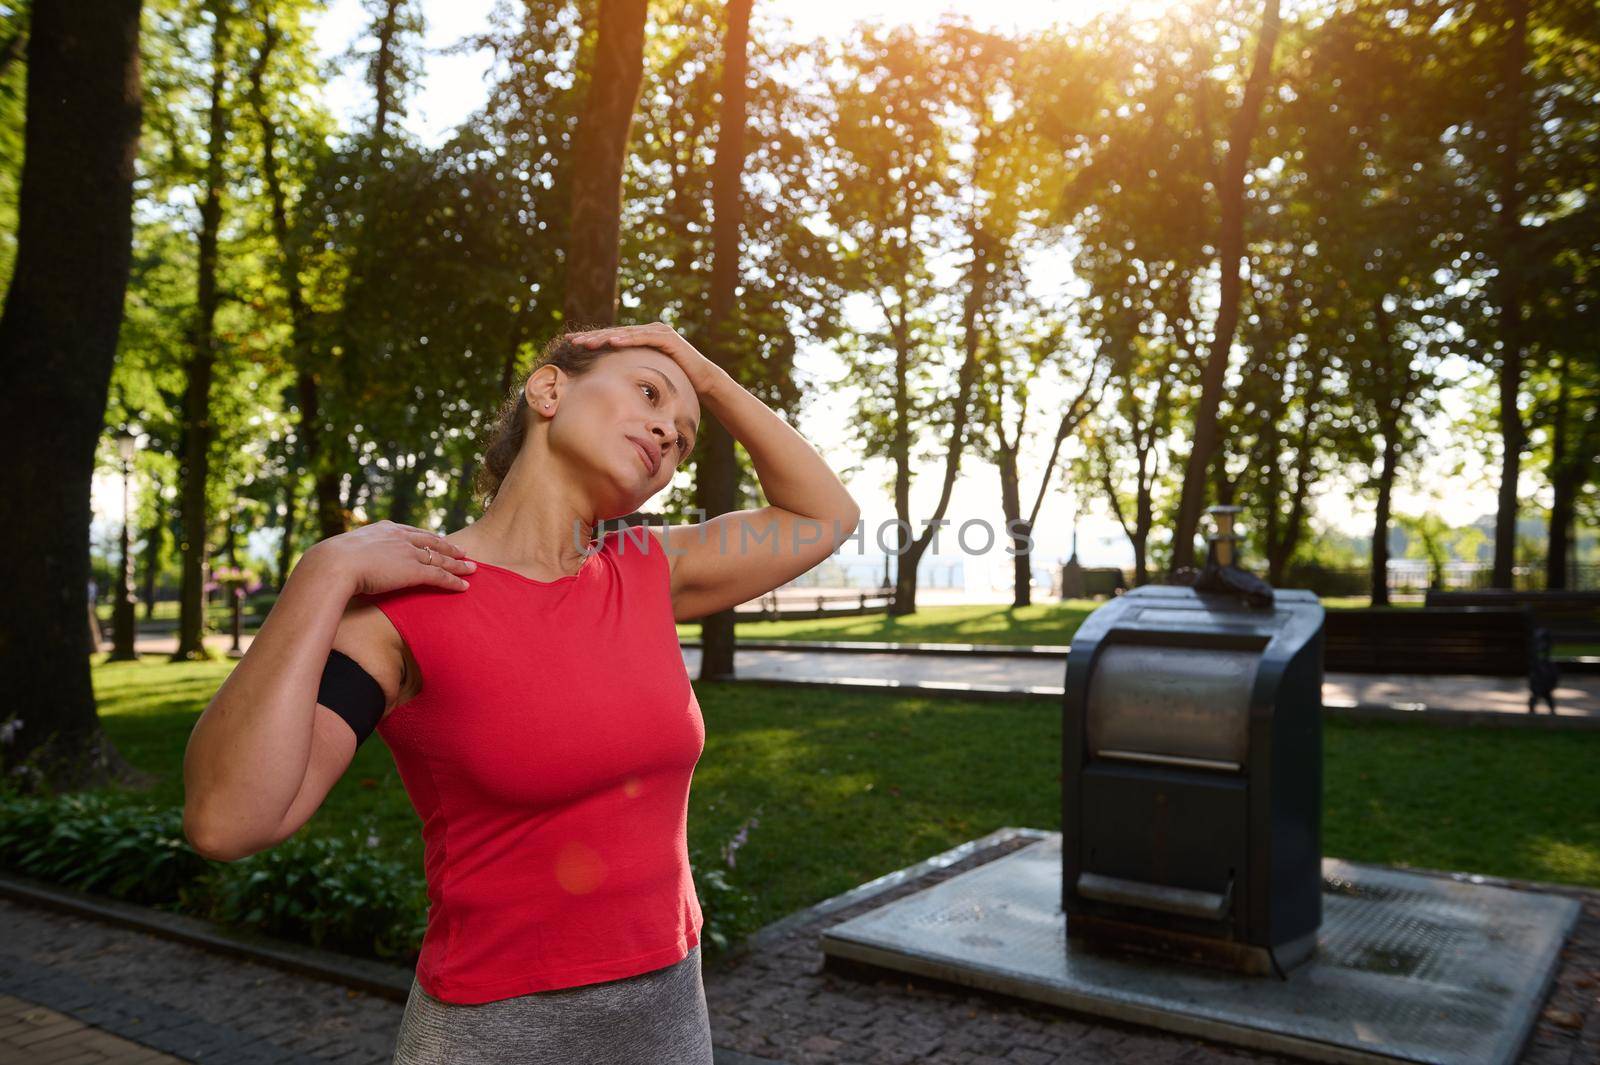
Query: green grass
x=1362, y=602
x=219, y=614
x=849, y=786
x=1051, y=623
x=1041, y=623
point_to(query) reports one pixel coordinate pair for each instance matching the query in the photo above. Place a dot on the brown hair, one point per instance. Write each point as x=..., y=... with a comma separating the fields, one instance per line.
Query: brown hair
x=510, y=427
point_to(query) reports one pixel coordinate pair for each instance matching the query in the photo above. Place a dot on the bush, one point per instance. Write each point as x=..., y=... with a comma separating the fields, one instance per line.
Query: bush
x=1327, y=581
x=92, y=843
x=326, y=891
x=329, y=891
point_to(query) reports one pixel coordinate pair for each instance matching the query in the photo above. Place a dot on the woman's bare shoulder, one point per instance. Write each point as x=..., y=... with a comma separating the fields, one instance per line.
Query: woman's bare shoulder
x=367, y=635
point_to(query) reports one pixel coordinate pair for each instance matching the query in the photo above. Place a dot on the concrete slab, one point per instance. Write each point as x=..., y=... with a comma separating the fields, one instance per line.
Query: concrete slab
x=1409, y=967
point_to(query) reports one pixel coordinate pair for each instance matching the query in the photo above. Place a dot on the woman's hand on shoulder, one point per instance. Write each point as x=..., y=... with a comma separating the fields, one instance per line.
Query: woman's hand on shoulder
x=385, y=555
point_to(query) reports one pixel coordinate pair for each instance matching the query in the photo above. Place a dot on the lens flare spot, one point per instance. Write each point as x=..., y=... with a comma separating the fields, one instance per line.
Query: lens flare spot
x=579, y=868
x=632, y=787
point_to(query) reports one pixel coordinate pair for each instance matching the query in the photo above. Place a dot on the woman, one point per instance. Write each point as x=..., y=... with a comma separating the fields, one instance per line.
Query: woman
x=527, y=677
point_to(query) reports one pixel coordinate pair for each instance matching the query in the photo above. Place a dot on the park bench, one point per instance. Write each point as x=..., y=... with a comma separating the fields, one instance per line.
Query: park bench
x=1497, y=641
x=1569, y=617
x=798, y=606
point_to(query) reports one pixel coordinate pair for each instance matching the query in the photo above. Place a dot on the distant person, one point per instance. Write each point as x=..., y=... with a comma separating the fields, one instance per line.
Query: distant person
x=541, y=717
x=1543, y=676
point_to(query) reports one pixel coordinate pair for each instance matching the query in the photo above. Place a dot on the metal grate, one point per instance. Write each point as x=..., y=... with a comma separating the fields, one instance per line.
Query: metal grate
x=1408, y=967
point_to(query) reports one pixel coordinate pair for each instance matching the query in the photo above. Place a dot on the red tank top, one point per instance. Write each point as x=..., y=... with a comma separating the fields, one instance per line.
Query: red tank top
x=549, y=755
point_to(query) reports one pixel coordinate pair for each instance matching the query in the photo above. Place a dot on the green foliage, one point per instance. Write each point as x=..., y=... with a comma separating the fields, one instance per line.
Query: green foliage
x=921, y=174
x=98, y=843
x=326, y=890
x=14, y=18
x=334, y=891
x=1430, y=537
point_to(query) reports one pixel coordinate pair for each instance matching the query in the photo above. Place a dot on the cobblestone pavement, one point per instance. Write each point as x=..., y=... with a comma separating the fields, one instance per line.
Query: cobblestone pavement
x=185, y=1001
x=118, y=990
x=777, y=1001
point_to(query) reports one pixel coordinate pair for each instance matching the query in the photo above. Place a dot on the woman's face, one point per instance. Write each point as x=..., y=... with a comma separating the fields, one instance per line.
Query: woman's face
x=628, y=424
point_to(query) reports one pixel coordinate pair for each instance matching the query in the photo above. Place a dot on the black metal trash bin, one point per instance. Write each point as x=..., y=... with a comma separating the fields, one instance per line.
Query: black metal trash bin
x=1192, y=778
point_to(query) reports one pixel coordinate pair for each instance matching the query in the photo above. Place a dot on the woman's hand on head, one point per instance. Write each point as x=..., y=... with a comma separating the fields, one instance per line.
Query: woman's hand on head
x=386, y=555
x=703, y=374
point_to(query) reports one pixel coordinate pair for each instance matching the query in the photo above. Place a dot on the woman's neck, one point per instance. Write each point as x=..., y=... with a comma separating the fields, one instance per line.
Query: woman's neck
x=534, y=542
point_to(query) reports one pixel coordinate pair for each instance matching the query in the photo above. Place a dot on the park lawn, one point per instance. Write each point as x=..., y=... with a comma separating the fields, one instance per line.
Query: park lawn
x=1043, y=624
x=847, y=786
x=985, y=623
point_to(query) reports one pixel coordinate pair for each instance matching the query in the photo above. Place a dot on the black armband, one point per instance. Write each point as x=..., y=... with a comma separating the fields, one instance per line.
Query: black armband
x=349, y=691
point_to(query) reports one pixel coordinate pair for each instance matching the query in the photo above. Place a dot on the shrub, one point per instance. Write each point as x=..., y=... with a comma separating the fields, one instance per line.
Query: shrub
x=94, y=843
x=331, y=891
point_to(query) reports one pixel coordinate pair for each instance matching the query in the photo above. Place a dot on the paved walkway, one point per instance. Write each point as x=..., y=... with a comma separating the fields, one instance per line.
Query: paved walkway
x=43, y=1036
x=1578, y=696
x=130, y=998
x=1040, y=675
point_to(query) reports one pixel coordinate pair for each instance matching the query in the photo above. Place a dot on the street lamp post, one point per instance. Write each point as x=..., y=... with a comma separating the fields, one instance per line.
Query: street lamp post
x=122, y=620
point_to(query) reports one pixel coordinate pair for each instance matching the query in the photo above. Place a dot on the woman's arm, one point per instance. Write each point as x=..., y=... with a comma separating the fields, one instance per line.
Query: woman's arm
x=793, y=475
x=249, y=753
x=735, y=557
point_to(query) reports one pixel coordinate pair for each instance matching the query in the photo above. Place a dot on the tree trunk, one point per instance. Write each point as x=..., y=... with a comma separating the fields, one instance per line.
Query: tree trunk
x=1508, y=293
x=1295, y=522
x=309, y=429
x=1011, y=511
x=154, y=544
x=460, y=498
x=599, y=151
x=976, y=298
x=197, y=428
x=1380, y=522
x=360, y=492
x=1571, y=465
x=383, y=72
x=407, y=490
x=291, y=517
x=717, y=472
x=1230, y=254
x=58, y=340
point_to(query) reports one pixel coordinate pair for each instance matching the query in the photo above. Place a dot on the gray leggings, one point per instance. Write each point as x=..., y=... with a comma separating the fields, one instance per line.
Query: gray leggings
x=653, y=1018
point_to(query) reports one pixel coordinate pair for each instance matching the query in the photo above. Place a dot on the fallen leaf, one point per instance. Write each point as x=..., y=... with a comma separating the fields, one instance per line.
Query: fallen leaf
x=1563, y=1018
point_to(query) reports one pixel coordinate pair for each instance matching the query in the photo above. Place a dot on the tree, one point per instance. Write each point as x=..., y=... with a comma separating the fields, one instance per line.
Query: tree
x=1231, y=200
x=1511, y=103
x=612, y=93
x=1018, y=352
x=1429, y=536
x=287, y=154
x=717, y=476
x=198, y=430
x=1136, y=204
x=13, y=80
x=890, y=161
x=1521, y=81
x=58, y=335
x=996, y=91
